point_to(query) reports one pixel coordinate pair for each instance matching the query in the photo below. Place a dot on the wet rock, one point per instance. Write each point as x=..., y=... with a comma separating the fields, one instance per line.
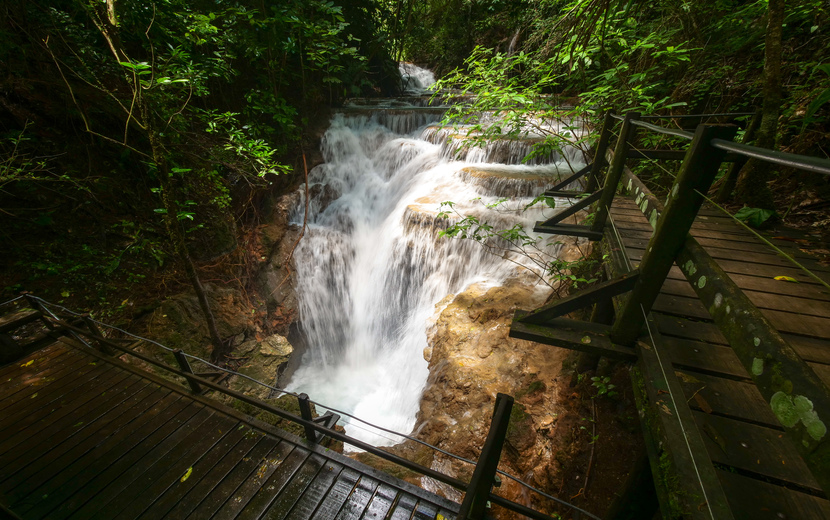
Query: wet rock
x=179, y=323
x=265, y=360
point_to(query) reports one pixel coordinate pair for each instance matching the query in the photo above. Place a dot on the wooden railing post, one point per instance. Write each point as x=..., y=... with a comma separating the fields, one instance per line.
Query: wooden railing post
x=478, y=491
x=305, y=413
x=36, y=305
x=612, y=179
x=695, y=177
x=599, y=154
x=184, y=364
x=96, y=334
x=731, y=178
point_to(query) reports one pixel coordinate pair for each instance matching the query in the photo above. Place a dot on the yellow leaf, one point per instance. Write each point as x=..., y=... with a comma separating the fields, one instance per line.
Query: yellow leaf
x=786, y=279
x=24, y=365
x=187, y=474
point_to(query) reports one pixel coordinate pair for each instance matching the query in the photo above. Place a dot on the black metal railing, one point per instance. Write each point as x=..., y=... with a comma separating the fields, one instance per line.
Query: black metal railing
x=478, y=492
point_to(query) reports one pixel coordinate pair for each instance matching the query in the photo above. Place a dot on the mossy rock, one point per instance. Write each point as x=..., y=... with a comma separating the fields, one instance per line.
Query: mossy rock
x=521, y=433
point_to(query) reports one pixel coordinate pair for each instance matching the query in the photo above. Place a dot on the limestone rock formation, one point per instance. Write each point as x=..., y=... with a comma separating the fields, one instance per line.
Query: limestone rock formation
x=264, y=361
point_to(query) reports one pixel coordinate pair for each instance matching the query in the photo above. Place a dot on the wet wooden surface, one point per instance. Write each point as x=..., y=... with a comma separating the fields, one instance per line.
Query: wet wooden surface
x=758, y=468
x=83, y=436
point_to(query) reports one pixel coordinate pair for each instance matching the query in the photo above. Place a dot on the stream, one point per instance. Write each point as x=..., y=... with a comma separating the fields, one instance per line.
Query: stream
x=372, y=267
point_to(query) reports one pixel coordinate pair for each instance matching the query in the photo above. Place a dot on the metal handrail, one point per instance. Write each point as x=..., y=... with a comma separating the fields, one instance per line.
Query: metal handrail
x=660, y=130
x=692, y=116
x=309, y=425
x=801, y=162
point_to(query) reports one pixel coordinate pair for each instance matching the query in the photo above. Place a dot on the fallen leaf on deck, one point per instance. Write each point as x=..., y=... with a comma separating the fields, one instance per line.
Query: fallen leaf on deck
x=786, y=279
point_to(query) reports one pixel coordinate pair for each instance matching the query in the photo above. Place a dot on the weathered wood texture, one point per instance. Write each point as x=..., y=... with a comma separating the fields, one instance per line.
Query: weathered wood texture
x=759, y=469
x=84, y=436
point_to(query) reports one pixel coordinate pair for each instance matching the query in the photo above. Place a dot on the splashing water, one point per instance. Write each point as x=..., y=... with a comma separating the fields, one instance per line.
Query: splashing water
x=371, y=266
x=415, y=79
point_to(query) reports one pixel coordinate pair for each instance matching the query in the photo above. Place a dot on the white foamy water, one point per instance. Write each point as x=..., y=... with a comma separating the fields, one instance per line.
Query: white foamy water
x=415, y=79
x=371, y=267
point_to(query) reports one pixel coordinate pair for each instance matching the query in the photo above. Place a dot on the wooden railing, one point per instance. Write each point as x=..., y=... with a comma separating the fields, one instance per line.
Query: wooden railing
x=786, y=376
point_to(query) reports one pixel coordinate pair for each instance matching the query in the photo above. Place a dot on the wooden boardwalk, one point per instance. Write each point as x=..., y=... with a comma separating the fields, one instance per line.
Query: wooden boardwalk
x=85, y=436
x=758, y=468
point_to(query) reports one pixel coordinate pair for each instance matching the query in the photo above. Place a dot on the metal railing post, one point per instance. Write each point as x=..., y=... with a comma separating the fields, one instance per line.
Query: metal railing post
x=305, y=413
x=184, y=364
x=612, y=178
x=696, y=175
x=478, y=491
x=599, y=154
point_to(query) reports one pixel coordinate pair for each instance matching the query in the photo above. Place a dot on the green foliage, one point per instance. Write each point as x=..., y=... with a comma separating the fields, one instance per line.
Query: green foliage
x=603, y=386
x=755, y=217
x=532, y=251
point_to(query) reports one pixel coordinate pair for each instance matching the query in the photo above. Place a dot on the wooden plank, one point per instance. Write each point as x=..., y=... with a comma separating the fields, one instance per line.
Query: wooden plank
x=156, y=472
x=727, y=397
x=74, y=430
x=27, y=384
x=47, y=395
x=806, y=286
x=317, y=490
x=381, y=503
x=52, y=420
x=755, y=499
x=425, y=511
x=241, y=471
x=358, y=499
x=751, y=252
x=88, y=437
x=103, y=479
x=11, y=321
x=756, y=449
x=793, y=323
x=811, y=349
x=39, y=358
x=338, y=494
x=404, y=507
x=213, y=466
x=255, y=495
x=708, y=358
x=762, y=300
x=293, y=488
x=59, y=482
x=255, y=444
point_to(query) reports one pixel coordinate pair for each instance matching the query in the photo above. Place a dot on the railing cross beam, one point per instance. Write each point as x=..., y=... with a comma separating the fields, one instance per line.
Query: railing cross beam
x=695, y=177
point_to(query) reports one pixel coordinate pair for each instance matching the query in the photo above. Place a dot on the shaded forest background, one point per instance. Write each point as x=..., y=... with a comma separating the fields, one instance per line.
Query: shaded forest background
x=127, y=124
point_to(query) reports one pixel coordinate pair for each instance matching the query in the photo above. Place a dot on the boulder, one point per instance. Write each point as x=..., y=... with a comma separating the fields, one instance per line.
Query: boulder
x=265, y=360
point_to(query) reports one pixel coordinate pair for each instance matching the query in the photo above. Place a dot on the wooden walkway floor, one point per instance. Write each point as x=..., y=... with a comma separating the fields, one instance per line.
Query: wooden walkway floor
x=85, y=436
x=759, y=470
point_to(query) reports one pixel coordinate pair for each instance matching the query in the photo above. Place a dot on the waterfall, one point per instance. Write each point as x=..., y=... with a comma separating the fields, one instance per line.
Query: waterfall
x=371, y=266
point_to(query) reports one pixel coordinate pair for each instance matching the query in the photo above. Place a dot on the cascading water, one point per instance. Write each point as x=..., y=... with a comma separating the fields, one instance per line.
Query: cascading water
x=371, y=266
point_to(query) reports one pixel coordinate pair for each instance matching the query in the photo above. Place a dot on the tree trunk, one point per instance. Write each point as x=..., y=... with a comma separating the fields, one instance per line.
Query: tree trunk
x=174, y=230
x=753, y=188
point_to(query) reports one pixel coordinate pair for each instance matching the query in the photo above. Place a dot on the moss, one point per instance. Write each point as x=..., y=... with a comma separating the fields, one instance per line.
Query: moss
x=388, y=467
x=532, y=388
x=287, y=402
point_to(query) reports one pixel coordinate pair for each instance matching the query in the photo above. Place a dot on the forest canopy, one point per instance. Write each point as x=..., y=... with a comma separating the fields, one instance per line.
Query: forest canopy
x=127, y=124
